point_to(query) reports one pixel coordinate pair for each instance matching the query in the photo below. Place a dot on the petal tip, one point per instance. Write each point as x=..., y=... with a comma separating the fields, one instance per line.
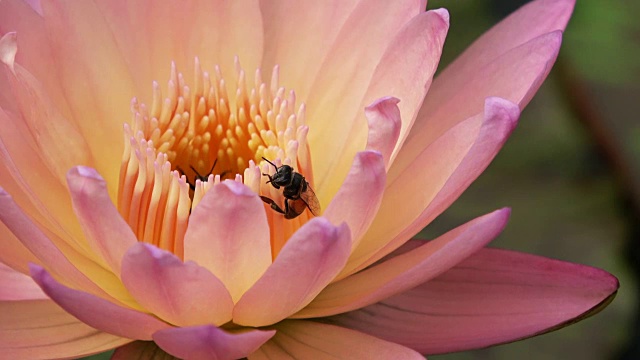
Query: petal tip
x=444, y=15
x=8, y=49
x=84, y=172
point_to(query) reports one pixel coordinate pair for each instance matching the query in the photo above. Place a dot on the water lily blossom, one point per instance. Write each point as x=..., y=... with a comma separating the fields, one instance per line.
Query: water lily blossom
x=133, y=200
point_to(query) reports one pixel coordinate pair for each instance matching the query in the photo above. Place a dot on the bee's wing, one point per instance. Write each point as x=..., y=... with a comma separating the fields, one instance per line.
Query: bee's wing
x=310, y=198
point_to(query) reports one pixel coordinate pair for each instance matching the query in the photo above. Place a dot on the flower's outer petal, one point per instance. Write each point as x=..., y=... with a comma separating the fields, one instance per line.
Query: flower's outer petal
x=105, y=229
x=16, y=286
x=8, y=49
x=309, y=260
x=408, y=270
x=534, y=19
x=299, y=44
x=152, y=35
x=383, y=116
x=404, y=69
x=54, y=259
x=40, y=329
x=493, y=297
x=359, y=197
x=311, y=340
x=141, y=350
x=96, y=312
x=514, y=76
x=228, y=234
x=447, y=168
x=183, y=294
x=210, y=343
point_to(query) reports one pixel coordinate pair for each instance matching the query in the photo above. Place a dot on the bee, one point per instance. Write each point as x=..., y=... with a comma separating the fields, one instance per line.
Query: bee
x=298, y=195
x=202, y=178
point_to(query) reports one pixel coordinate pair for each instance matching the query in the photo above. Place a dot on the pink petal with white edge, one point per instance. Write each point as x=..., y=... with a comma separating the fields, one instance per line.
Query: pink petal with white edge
x=16, y=286
x=106, y=231
x=493, y=297
x=141, y=350
x=311, y=340
x=96, y=312
x=209, y=342
x=359, y=197
x=40, y=329
x=439, y=172
x=309, y=260
x=183, y=294
x=228, y=234
x=384, y=121
x=408, y=270
x=8, y=49
x=532, y=20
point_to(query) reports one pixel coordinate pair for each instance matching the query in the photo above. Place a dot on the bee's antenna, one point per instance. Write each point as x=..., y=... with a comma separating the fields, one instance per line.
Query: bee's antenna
x=274, y=165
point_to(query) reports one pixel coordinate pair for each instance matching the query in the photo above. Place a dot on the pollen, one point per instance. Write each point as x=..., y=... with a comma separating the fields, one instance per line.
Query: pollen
x=195, y=136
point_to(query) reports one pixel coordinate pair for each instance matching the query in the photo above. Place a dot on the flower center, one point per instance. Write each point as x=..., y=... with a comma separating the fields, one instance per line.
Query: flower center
x=194, y=137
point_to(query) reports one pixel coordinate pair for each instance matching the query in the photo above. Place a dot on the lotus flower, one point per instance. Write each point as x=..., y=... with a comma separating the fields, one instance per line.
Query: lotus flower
x=161, y=243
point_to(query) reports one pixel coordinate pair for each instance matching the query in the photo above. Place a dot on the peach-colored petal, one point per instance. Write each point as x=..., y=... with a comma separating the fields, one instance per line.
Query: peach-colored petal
x=14, y=254
x=383, y=116
x=141, y=350
x=299, y=44
x=494, y=296
x=514, y=76
x=96, y=312
x=40, y=329
x=311, y=340
x=334, y=101
x=94, y=78
x=153, y=34
x=16, y=286
x=359, y=197
x=405, y=76
x=446, y=167
x=309, y=260
x=534, y=19
x=228, y=234
x=105, y=229
x=183, y=294
x=209, y=342
x=408, y=270
x=56, y=260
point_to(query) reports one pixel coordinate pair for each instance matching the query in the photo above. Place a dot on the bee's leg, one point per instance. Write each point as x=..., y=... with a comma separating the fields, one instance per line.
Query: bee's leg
x=273, y=204
x=191, y=186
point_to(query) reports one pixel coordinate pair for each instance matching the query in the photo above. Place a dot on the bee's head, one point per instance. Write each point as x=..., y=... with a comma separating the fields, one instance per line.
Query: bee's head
x=283, y=175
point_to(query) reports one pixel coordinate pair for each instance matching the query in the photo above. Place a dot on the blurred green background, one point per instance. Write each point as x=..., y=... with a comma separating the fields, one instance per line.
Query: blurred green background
x=570, y=172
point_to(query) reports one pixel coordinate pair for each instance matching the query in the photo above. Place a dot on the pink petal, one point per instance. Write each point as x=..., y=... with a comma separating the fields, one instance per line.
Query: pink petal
x=493, y=297
x=408, y=270
x=8, y=49
x=515, y=76
x=141, y=350
x=181, y=293
x=359, y=197
x=14, y=254
x=383, y=116
x=311, y=340
x=435, y=177
x=228, y=234
x=309, y=260
x=40, y=329
x=335, y=99
x=106, y=231
x=49, y=254
x=16, y=286
x=534, y=19
x=209, y=342
x=96, y=312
